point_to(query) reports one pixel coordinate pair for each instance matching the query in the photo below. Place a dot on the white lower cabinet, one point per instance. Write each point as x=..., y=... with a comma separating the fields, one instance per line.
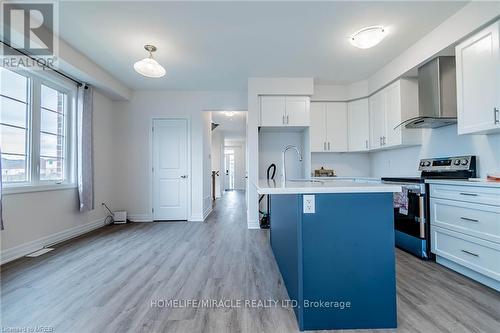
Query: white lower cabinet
x=465, y=230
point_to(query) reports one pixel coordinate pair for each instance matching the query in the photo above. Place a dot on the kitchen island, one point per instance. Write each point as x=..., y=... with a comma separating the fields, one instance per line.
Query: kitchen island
x=334, y=245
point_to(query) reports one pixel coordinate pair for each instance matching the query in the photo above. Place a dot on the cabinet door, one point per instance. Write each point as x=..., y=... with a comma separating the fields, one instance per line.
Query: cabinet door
x=297, y=111
x=478, y=81
x=377, y=119
x=272, y=110
x=317, y=129
x=392, y=137
x=359, y=128
x=336, y=126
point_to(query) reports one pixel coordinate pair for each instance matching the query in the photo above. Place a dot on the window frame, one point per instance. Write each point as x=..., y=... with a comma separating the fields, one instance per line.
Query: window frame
x=33, y=141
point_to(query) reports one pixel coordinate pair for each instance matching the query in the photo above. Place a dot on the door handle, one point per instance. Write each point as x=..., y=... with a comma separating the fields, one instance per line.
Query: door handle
x=184, y=176
x=469, y=194
x=469, y=219
x=496, y=112
x=471, y=253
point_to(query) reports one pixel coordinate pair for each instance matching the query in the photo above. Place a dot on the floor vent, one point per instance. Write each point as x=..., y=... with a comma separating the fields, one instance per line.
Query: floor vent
x=40, y=252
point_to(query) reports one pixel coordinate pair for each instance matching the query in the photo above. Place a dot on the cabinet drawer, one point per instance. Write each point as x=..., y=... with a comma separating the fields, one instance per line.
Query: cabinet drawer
x=477, y=254
x=474, y=194
x=477, y=220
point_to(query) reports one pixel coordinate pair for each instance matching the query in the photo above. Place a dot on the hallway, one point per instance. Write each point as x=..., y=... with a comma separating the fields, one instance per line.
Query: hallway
x=120, y=278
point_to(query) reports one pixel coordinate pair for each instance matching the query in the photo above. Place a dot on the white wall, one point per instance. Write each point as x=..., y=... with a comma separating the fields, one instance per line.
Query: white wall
x=271, y=144
x=33, y=220
x=439, y=142
x=133, y=126
x=344, y=164
x=239, y=147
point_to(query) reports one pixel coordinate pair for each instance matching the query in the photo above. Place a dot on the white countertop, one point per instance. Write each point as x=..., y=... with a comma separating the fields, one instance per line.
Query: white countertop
x=326, y=186
x=471, y=182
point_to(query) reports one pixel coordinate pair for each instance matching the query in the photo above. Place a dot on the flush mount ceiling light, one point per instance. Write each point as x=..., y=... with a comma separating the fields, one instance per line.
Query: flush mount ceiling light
x=229, y=113
x=368, y=37
x=148, y=66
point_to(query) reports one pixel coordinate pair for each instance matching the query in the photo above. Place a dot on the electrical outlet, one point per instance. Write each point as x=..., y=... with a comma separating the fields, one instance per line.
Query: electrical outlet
x=309, y=203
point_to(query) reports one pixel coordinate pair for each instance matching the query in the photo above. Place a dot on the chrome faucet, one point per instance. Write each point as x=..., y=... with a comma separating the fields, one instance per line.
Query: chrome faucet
x=283, y=166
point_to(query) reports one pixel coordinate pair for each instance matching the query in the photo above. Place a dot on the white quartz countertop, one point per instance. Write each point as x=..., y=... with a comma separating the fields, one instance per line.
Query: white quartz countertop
x=325, y=186
x=471, y=182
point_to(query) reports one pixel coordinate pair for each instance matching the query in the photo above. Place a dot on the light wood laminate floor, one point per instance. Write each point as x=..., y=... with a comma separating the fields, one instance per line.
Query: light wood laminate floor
x=105, y=281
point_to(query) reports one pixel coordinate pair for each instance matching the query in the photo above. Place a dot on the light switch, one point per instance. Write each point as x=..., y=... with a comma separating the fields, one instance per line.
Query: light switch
x=309, y=203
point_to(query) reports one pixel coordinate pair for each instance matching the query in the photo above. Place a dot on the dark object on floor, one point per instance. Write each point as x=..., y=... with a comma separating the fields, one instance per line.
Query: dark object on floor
x=265, y=221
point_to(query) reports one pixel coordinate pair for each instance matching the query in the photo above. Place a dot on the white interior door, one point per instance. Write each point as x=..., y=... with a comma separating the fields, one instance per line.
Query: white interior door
x=170, y=169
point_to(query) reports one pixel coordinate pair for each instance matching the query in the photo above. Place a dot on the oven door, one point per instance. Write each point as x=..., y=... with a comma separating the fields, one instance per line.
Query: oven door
x=412, y=221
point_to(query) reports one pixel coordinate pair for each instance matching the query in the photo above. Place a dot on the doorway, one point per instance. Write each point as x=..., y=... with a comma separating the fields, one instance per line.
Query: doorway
x=228, y=151
x=170, y=169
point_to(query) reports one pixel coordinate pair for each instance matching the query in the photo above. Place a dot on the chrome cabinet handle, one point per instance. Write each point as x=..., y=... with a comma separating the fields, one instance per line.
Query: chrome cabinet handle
x=469, y=194
x=287, y=120
x=184, y=176
x=328, y=145
x=496, y=112
x=469, y=219
x=471, y=253
x=324, y=145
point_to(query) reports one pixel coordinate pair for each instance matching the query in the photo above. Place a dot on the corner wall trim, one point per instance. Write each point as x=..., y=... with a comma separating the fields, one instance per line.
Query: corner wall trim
x=19, y=251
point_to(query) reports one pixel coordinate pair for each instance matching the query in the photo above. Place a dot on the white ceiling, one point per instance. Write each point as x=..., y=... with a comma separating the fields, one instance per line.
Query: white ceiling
x=234, y=127
x=218, y=45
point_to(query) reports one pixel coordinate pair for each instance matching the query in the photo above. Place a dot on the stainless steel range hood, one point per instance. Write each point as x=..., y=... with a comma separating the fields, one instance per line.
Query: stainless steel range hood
x=437, y=94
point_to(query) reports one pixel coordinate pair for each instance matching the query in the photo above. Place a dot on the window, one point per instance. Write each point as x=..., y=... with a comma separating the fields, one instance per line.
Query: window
x=35, y=130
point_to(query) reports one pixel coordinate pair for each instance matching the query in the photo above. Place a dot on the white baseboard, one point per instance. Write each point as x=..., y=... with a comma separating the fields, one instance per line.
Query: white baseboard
x=253, y=224
x=140, y=217
x=27, y=248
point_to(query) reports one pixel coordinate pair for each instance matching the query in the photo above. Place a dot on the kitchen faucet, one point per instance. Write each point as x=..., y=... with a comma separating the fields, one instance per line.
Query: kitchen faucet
x=283, y=166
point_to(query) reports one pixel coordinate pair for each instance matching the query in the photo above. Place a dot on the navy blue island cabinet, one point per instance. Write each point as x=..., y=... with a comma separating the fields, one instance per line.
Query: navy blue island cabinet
x=337, y=263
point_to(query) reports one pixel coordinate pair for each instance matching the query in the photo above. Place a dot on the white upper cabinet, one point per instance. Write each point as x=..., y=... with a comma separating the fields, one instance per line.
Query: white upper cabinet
x=358, y=125
x=318, y=127
x=478, y=82
x=328, y=130
x=284, y=111
x=297, y=111
x=388, y=108
x=272, y=110
x=336, y=126
x=377, y=119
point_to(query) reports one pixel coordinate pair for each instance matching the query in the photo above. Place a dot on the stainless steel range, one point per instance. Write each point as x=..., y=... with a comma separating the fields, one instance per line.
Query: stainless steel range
x=411, y=206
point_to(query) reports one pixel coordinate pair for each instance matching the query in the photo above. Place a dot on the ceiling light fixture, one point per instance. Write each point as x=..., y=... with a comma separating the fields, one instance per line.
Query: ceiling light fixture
x=368, y=37
x=229, y=113
x=148, y=66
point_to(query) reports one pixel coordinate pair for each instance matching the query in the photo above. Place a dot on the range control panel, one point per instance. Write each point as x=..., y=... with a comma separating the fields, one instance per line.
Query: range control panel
x=456, y=163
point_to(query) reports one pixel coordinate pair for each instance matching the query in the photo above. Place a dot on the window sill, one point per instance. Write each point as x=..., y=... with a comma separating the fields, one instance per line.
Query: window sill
x=6, y=190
